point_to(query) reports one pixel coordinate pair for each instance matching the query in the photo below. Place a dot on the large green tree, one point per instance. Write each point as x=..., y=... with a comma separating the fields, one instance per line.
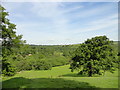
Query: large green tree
x=9, y=41
x=94, y=56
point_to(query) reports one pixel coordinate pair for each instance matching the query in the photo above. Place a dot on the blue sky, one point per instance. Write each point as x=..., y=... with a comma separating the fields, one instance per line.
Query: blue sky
x=52, y=23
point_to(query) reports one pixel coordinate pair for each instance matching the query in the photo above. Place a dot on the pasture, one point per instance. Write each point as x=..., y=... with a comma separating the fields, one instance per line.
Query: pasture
x=59, y=77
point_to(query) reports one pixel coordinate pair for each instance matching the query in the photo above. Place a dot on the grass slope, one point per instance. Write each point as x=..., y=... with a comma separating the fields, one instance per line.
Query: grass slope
x=59, y=77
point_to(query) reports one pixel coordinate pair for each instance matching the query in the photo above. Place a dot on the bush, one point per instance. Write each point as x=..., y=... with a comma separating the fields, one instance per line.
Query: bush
x=32, y=63
x=42, y=65
x=23, y=65
x=8, y=69
x=57, y=61
x=37, y=61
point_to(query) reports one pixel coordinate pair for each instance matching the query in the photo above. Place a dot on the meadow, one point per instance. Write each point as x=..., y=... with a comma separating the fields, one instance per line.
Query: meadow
x=59, y=77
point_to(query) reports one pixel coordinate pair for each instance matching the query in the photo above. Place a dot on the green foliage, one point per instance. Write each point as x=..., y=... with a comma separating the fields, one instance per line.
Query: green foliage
x=35, y=62
x=57, y=60
x=41, y=65
x=38, y=57
x=9, y=40
x=95, y=56
x=8, y=69
x=38, y=62
x=33, y=65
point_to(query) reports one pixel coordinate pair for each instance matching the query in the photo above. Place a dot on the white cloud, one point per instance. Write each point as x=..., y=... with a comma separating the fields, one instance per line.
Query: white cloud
x=108, y=19
x=98, y=26
x=11, y=7
x=72, y=9
x=56, y=26
x=94, y=11
x=47, y=10
x=59, y=33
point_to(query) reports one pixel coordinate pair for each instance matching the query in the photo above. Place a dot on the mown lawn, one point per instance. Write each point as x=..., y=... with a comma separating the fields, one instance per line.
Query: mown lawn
x=59, y=77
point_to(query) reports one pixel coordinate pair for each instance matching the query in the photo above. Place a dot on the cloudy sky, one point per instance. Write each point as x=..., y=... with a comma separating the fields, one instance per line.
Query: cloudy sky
x=52, y=23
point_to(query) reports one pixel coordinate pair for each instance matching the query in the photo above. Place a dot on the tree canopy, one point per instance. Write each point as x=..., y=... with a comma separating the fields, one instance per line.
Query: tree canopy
x=94, y=56
x=9, y=40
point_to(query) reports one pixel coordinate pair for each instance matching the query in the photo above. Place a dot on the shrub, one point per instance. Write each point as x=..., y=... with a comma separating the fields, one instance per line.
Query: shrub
x=8, y=70
x=42, y=65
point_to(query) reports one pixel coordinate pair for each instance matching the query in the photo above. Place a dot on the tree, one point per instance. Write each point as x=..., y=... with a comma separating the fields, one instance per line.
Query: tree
x=9, y=41
x=94, y=56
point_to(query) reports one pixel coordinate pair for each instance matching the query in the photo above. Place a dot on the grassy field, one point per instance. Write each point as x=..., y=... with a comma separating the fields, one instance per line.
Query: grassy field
x=59, y=77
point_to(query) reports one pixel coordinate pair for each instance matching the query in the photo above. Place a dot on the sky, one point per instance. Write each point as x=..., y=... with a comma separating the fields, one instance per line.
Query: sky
x=61, y=23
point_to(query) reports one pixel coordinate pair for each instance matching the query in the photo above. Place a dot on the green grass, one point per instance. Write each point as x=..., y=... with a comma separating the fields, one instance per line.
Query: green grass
x=59, y=77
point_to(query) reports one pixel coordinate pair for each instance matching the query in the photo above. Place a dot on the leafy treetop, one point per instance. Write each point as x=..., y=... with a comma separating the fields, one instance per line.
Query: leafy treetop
x=94, y=56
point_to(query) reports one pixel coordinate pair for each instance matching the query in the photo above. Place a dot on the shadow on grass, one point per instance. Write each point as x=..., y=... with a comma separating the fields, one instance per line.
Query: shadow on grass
x=20, y=82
